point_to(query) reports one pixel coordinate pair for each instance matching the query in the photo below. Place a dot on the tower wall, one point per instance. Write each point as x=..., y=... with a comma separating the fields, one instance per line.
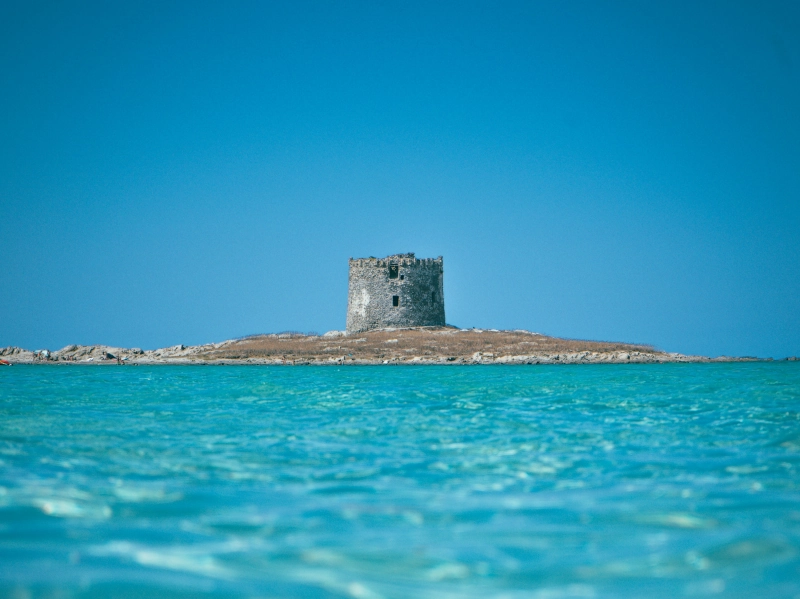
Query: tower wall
x=417, y=289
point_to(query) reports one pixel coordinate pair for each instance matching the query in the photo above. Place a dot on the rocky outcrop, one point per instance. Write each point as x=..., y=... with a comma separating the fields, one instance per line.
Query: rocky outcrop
x=16, y=354
x=422, y=345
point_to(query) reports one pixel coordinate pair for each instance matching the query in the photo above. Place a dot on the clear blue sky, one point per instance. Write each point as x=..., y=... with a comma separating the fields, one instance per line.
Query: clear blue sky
x=191, y=172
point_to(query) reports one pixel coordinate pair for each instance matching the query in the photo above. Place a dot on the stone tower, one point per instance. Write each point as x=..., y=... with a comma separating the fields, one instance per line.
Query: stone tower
x=396, y=291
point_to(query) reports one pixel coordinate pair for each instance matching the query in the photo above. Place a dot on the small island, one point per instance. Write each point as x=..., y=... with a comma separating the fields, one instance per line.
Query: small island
x=413, y=345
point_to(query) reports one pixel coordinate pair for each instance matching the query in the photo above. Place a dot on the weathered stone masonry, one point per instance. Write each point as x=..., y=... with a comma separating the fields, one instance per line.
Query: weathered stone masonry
x=396, y=291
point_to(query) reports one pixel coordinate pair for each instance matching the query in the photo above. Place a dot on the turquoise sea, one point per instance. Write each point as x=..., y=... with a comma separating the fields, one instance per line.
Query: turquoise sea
x=544, y=482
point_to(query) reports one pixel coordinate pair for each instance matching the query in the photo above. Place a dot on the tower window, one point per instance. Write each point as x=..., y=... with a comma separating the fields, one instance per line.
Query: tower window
x=433, y=296
x=393, y=268
x=395, y=300
x=402, y=277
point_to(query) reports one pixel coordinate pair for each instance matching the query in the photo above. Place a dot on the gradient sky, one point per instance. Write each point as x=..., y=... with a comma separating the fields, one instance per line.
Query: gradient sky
x=191, y=172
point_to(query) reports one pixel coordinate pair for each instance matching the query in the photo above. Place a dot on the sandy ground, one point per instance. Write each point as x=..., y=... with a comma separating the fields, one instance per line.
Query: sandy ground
x=434, y=345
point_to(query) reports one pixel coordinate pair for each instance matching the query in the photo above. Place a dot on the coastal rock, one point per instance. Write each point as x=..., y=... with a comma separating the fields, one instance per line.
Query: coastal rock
x=13, y=351
x=393, y=345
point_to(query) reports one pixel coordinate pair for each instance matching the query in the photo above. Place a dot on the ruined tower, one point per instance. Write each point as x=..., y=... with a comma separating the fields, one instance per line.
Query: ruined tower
x=396, y=291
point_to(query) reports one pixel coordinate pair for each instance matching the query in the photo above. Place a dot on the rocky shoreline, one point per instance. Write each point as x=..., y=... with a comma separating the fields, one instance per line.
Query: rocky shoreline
x=428, y=345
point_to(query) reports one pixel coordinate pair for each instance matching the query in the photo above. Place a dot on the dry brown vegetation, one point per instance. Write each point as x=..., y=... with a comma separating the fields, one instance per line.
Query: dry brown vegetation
x=403, y=344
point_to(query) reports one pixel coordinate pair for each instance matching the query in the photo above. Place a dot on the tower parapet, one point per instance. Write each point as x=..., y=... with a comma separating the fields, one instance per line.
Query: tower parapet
x=400, y=290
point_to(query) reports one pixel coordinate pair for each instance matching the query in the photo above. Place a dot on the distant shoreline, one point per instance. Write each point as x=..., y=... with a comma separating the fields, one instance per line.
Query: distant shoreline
x=413, y=346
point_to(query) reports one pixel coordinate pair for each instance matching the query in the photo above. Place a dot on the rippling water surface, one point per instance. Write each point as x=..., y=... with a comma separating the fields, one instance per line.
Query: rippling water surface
x=430, y=482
